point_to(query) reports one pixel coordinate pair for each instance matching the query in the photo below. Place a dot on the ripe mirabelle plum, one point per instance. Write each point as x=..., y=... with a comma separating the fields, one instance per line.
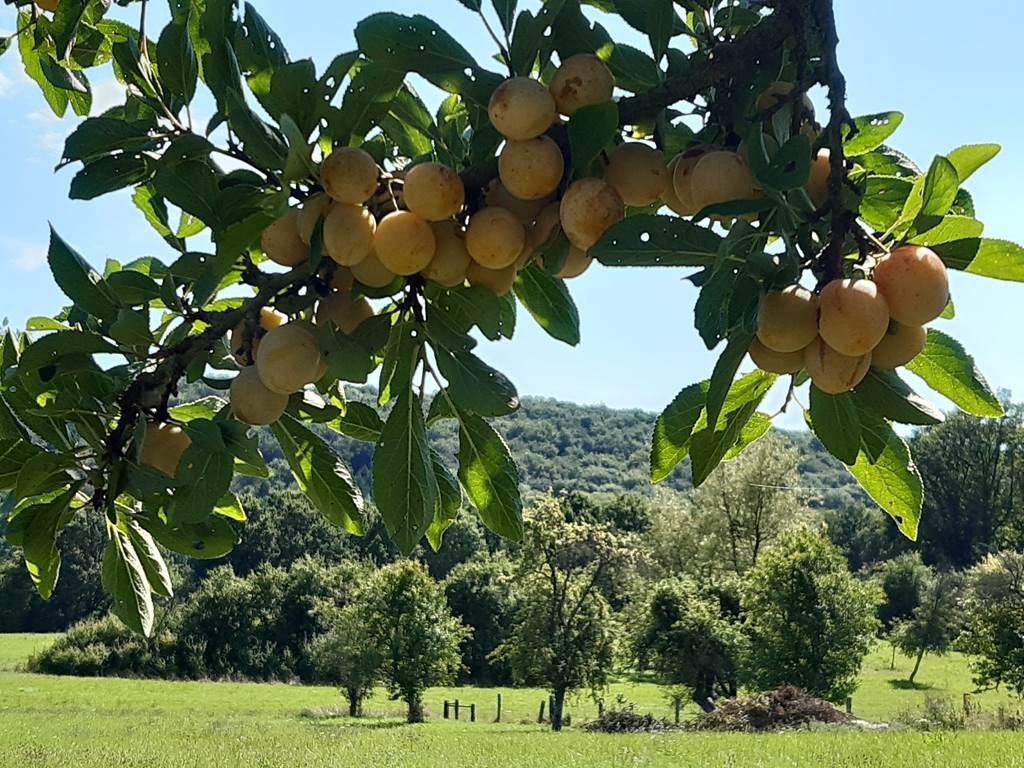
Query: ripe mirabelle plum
x=350, y=175
x=521, y=108
x=495, y=238
x=914, y=282
x=162, y=447
x=282, y=243
x=901, y=344
x=404, y=242
x=371, y=273
x=638, y=173
x=531, y=169
x=349, y=233
x=451, y=259
x=576, y=263
x=500, y=281
x=817, y=182
x=254, y=404
x=581, y=80
x=343, y=311
x=775, y=362
x=526, y=211
x=269, y=319
x=788, y=320
x=288, y=358
x=48, y=5
x=589, y=207
x=833, y=372
x=774, y=94
x=719, y=176
x=343, y=279
x=548, y=220
x=310, y=213
x=853, y=316
x=678, y=195
x=434, y=191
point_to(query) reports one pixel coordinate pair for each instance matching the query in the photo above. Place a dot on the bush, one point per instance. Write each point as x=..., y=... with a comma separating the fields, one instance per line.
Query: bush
x=626, y=720
x=106, y=646
x=784, y=708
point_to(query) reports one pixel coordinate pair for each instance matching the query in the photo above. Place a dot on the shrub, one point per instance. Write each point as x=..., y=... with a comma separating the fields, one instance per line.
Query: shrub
x=107, y=647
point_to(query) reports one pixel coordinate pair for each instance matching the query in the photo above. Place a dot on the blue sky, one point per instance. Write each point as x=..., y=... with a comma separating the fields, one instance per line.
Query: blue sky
x=954, y=74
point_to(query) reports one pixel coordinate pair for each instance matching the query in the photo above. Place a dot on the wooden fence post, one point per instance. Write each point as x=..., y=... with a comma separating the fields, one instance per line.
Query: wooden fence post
x=678, y=701
x=456, y=709
x=540, y=717
x=849, y=705
x=472, y=713
x=446, y=709
x=498, y=719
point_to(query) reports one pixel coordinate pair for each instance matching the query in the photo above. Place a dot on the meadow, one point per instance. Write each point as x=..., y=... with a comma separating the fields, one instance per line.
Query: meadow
x=51, y=721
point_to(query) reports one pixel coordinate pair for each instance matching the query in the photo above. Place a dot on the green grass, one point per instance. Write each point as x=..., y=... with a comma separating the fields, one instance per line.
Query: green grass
x=51, y=721
x=15, y=649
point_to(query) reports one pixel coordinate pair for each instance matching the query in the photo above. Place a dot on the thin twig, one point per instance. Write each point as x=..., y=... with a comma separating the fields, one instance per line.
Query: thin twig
x=505, y=53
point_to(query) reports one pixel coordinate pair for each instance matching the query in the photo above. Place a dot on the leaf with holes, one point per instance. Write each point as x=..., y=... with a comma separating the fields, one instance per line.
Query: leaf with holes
x=872, y=131
x=657, y=241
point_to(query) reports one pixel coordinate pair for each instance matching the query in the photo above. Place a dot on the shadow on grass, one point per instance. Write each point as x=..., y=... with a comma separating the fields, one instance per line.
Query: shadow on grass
x=905, y=685
x=330, y=720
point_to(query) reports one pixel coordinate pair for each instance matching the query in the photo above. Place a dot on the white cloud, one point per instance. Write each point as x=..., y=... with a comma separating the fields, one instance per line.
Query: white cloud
x=21, y=254
x=6, y=85
x=106, y=94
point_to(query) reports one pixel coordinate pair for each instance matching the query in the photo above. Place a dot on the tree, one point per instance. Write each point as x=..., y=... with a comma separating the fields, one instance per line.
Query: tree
x=346, y=656
x=935, y=623
x=975, y=487
x=411, y=626
x=903, y=580
x=347, y=180
x=692, y=642
x=479, y=594
x=810, y=622
x=994, y=622
x=750, y=501
x=561, y=634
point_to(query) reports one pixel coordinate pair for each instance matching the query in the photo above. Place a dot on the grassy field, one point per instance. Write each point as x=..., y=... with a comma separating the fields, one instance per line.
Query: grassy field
x=50, y=721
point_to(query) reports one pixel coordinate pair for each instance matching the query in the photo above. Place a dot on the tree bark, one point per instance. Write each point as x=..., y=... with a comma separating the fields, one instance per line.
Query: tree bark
x=355, y=702
x=415, y=703
x=557, y=708
x=917, y=665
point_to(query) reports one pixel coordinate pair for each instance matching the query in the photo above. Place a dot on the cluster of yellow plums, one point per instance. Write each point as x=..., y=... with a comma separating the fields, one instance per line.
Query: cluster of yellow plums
x=853, y=324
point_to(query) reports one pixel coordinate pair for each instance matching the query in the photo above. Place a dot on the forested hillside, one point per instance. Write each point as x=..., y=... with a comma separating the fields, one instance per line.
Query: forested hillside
x=562, y=446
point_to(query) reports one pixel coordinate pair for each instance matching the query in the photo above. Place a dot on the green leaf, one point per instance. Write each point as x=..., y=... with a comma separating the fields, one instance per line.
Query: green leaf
x=320, y=474
x=633, y=69
x=724, y=372
x=591, y=129
x=673, y=429
x=401, y=356
x=710, y=443
x=661, y=16
x=872, y=131
x=885, y=394
x=360, y=422
x=970, y=157
x=133, y=288
x=468, y=306
x=208, y=540
x=99, y=136
x=506, y=10
x=124, y=578
x=940, y=187
x=888, y=474
x=529, y=33
x=412, y=43
x=474, y=385
x=230, y=507
x=489, y=476
x=948, y=229
x=947, y=368
x=984, y=256
x=176, y=60
x=657, y=241
x=157, y=574
x=50, y=348
x=404, y=486
x=371, y=89
x=548, y=301
x=108, y=174
x=34, y=526
x=64, y=27
x=836, y=424
x=448, y=504
x=884, y=200
x=203, y=475
x=79, y=281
